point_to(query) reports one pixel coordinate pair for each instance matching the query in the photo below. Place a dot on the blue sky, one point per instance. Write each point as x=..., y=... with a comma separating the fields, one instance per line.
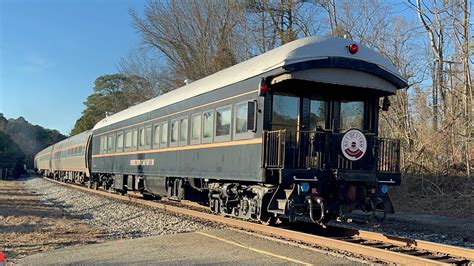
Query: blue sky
x=51, y=51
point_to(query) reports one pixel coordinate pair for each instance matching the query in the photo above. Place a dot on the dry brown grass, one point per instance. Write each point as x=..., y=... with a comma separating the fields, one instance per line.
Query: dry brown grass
x=441, y=195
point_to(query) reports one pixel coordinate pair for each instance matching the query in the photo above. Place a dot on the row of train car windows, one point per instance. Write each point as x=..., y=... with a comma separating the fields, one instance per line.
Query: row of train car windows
x=199, y=127
x=69, y=152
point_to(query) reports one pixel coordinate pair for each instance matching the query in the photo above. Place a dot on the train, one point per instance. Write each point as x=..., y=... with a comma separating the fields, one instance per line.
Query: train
x=290, y=135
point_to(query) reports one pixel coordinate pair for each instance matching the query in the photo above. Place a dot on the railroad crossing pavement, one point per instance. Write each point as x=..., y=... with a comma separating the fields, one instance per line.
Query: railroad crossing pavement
x=223, y=246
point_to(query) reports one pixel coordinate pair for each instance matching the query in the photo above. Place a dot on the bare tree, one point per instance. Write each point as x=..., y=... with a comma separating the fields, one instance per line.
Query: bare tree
x=142, y=63
x=197, y=38
x=468, y=109
x=434, y=26
x=274, y=23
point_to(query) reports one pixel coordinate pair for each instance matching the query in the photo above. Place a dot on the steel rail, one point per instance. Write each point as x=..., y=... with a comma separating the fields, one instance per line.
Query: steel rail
x=418, y=244
x=327, y=242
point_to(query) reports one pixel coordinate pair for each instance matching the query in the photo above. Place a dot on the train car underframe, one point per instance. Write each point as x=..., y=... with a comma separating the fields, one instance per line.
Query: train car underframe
x=265, y=203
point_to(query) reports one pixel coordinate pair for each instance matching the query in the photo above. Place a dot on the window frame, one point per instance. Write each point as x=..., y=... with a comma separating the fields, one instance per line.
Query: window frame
x=103, y=144
x=171, y=142
x=328, y=103
x=242, y=135
x=140, y=145
x=148, y=127
x=183, y=142
x=227, y=137
x=114, y=139
x=198, y=140
x=129, y=148
x=364, y=115
x=135, y=132
x=155, y=144
x=117, y=148
x=166, y=143
x=211, y=138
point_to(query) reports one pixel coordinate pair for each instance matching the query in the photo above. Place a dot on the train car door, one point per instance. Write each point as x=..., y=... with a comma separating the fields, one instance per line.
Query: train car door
x=88, y=155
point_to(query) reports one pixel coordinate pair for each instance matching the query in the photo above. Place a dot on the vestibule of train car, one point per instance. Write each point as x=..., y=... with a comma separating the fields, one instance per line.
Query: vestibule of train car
x=305, y=123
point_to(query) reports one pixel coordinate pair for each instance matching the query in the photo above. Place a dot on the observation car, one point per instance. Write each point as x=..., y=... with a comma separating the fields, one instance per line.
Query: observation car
x=289, y=134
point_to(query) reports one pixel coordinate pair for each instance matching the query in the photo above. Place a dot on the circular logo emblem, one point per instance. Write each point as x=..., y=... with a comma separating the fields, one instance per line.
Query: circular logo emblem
x=353, y=144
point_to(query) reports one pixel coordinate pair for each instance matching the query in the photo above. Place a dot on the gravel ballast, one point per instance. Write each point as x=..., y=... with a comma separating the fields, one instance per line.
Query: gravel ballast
x=126, y=220
x=118, y=219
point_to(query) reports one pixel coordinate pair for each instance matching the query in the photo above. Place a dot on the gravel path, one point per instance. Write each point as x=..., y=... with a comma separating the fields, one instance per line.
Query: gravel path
x=118, y=219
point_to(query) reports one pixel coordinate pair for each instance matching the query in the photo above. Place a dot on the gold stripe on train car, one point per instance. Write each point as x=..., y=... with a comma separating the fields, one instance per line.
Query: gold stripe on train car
x=183, y=148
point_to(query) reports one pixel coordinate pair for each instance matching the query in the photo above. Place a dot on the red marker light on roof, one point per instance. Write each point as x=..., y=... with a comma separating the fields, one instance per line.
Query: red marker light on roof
x=353, y=48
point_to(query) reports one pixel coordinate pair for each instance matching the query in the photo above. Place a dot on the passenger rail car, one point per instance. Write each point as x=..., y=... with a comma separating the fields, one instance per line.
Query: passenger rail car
x=67, y=159
x=289, y=134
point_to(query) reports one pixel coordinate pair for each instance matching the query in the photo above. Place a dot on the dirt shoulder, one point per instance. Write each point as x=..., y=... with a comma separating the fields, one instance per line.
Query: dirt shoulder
x=29, y=225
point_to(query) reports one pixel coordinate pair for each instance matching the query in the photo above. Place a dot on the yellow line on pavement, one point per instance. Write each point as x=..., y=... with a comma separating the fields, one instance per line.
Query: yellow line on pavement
x=254, y=249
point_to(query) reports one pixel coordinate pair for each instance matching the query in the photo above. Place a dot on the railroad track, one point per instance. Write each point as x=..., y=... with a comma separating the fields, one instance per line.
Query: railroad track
x=391, y=249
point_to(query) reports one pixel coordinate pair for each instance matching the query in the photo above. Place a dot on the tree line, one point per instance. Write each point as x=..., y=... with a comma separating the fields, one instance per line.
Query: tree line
x=20, y=141
x=429, y=42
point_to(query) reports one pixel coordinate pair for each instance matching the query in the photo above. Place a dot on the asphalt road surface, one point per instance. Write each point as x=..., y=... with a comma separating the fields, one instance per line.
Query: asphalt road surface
x=223, y=246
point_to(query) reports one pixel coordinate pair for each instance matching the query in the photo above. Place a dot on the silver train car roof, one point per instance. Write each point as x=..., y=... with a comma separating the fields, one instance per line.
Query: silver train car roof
x=316, y=52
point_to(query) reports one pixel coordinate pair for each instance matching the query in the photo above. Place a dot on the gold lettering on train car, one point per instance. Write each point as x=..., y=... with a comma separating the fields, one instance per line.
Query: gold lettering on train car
x=143, y=162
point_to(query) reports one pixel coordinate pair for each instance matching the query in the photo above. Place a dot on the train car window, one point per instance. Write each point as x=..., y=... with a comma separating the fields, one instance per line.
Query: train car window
x=183, y=131
x=164, y=134
x=141, y=137
x=241, y=116
x=174, y=131
x=195, y=128
x=119, y=141
x=207, y=126
x=134, y=139
x=223, y=120
x=148, y=136
x=241, y=111
x=317, y=115
x=156, y=136
x=285, y=112
x=103, y=144
x=111, y=143
x=128, y=139
x=352, y=115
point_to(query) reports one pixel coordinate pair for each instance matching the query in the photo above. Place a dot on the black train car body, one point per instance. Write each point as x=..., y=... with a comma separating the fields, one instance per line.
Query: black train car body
x=292, y=133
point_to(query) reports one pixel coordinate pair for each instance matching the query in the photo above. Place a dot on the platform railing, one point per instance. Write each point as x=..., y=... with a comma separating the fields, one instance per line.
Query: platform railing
x=388, y=155
x=292, y=149
x=274, y=149
x=306, y=150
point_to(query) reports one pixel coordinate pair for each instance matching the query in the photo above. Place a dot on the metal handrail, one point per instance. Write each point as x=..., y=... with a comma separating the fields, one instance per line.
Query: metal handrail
x=307, y=150
x=291, y=149
x=388, y=155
